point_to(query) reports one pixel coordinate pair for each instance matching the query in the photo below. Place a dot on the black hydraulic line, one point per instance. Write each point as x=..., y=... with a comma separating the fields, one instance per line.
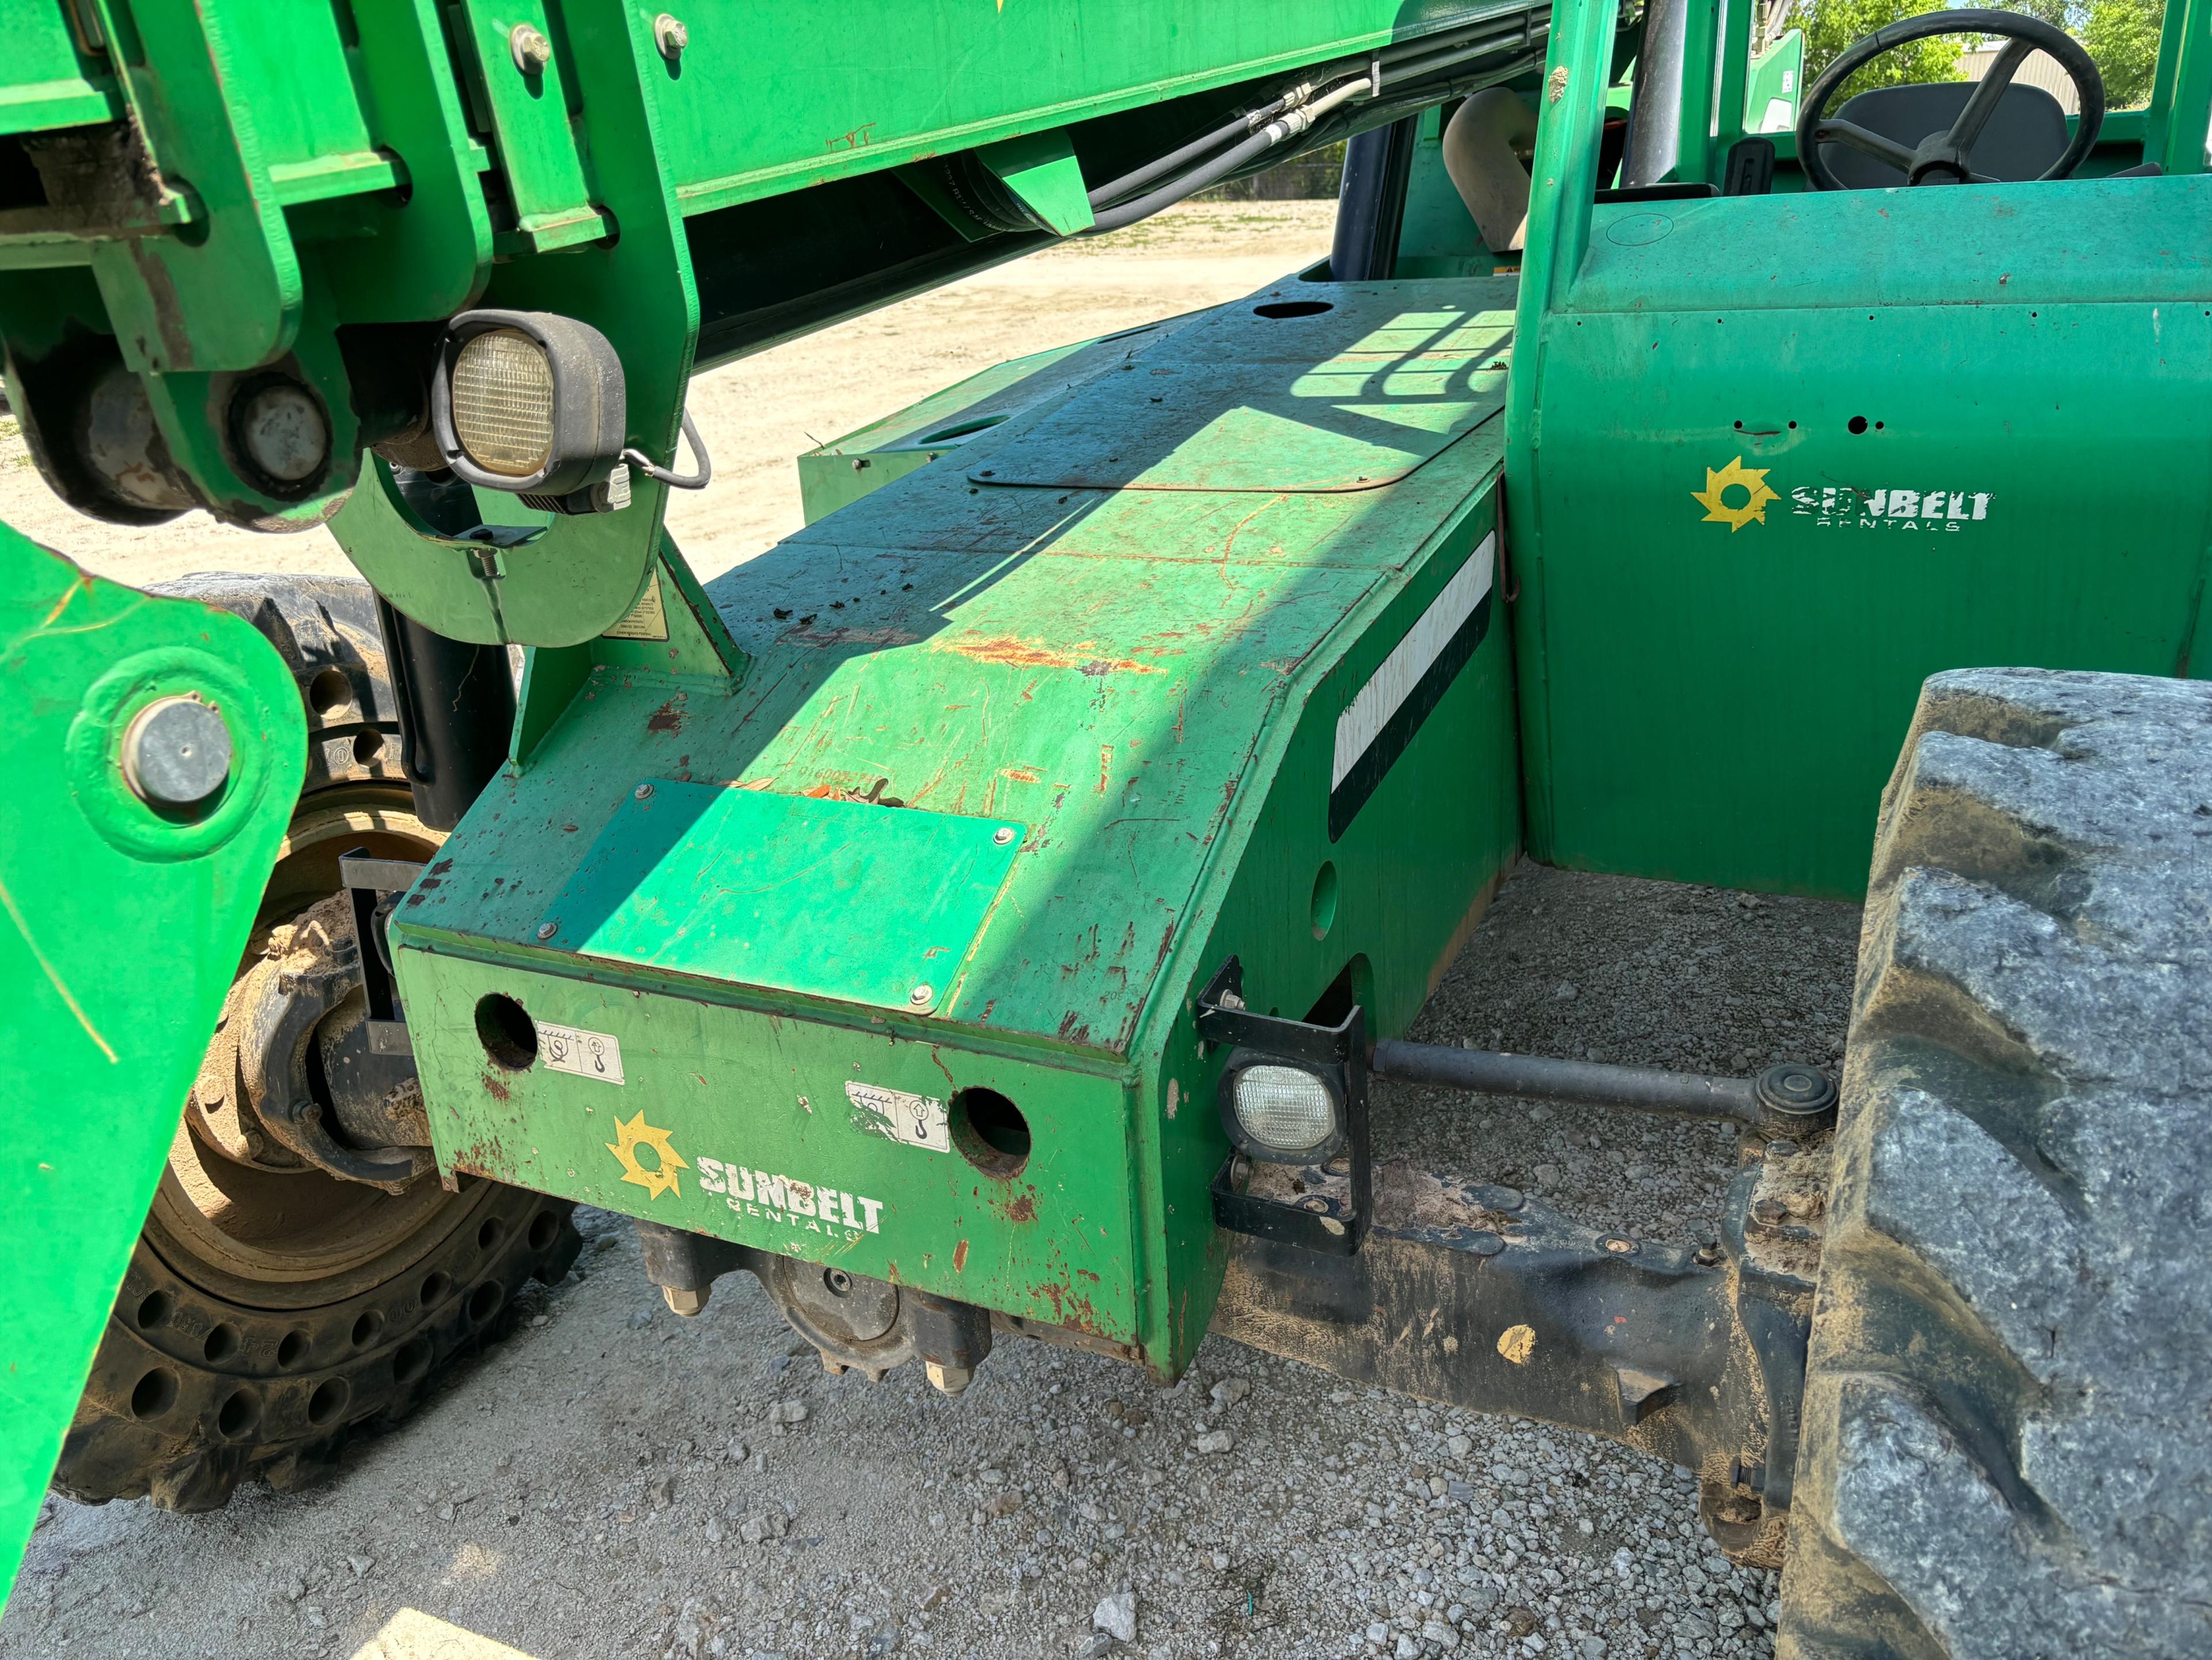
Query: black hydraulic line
x=1590, y=1083
x=1115, y=189
x=1410, y=60
x=456, y=705
x=1285, y=127
x=1370, y=205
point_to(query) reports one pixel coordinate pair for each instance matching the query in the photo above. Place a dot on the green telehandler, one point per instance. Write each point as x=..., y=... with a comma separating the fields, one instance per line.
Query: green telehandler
x=983, y=915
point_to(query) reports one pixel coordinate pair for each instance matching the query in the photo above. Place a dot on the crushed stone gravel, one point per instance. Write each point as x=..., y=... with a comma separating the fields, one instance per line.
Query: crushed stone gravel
x=616, y=1481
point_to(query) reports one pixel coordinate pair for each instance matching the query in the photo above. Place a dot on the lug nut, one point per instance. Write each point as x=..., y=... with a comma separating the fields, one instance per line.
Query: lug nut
x=949, y=1380
x=530, y=49
x=176, y=752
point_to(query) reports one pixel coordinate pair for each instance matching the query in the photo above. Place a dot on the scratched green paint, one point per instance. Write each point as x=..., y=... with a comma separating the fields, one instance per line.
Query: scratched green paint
x=106, y=1040
x=1148, y=681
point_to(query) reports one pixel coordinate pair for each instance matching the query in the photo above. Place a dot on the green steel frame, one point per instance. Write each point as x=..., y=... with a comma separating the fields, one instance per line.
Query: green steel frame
x=1068, y=697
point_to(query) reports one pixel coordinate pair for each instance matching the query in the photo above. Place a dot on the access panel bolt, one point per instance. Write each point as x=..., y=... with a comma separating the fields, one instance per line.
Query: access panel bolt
x=949, y=1380
x=921, y=996
x=1003, y=835
x=176, y=752
x=643, y=792
x=670, y=36
x=530, y=48
x=547, y=930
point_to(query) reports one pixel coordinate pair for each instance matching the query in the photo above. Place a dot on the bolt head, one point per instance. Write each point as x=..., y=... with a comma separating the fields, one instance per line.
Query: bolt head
x=670, y=36
x=689, y=1304
x=949, y=1380
x=1003, y=835
x=921, y=995
x=281, y=429
x=176, y=752
x=1618, y=1246
x=547, y=930
x=530, y=49
x=643, y=792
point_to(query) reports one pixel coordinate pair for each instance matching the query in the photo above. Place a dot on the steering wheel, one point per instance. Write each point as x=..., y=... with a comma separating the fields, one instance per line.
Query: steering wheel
x=1942, y=158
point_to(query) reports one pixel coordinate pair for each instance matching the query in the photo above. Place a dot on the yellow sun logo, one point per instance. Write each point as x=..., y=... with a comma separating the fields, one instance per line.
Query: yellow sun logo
x=636, y=1133
x=1752, y=480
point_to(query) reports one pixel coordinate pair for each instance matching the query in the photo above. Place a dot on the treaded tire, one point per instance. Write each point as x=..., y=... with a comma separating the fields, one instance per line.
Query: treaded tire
x=204, y=1378
x=193, y=1392
x=2007, y=1446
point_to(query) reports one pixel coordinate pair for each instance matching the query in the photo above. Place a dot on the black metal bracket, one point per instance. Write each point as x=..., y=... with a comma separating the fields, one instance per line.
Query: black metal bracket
x=374, y=886
x=1316, y=1221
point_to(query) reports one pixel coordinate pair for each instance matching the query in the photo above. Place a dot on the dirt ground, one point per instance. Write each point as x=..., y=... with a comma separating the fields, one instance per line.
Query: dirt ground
x=756, y=415
x=617, y=1482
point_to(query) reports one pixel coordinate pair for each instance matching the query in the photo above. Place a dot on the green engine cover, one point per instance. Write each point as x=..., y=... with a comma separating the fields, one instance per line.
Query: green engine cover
x=1189, y=660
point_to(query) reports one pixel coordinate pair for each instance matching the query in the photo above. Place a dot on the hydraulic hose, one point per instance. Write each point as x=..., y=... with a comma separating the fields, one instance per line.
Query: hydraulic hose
x=1409, y=79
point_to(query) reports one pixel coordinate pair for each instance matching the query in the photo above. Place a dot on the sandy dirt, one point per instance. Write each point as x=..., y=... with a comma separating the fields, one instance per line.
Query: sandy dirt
x=756, y=415
x=617, y=1482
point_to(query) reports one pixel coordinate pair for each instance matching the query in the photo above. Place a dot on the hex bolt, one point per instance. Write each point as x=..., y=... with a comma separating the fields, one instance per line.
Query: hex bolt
x=642, y=792
x=547, y=930
x=689, y=1304
x=949, y=1380
x=920, y=995
x=281, y=430
x=530, y=49
x=176, y=752
x=1620, y=1246
x=670, y=36
x=1003, y=835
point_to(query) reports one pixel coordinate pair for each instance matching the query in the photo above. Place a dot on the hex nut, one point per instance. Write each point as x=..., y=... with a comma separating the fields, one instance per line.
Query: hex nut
x=669, y=35
x=530, y=49
x=949, y=1380
x=176, y=752
x=689, y=1304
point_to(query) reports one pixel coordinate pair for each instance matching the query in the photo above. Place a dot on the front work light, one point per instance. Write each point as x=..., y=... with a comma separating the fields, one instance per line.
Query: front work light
x=1287, y=1115
x=532, y=403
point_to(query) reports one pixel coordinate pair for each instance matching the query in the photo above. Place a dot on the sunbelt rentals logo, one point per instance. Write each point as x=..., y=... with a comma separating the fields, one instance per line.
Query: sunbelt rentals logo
x=1736, y=496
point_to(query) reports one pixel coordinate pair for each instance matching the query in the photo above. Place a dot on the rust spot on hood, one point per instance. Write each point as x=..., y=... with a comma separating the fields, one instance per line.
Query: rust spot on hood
x=960, y=1258
x=1013, y=652
x=669, y=717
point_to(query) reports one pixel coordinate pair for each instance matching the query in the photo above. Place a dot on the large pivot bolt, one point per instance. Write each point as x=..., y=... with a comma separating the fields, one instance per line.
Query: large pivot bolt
x=1794, y=1094
x=176, y=753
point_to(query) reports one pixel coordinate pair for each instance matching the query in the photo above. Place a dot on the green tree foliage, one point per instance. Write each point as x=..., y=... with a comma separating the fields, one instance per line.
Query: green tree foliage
x=2122, y=36
x=1832, y=25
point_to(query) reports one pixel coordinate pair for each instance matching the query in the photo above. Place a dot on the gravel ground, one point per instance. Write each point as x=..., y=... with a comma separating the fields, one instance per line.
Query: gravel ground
x=618, y=1483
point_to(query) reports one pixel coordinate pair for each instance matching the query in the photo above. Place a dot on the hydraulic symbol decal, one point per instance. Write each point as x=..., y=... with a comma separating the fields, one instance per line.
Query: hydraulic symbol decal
x=636, y=1133
x=1751, y=481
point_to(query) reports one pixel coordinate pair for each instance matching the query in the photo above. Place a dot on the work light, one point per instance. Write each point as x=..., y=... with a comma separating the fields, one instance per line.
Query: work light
x=532, y=403
x=1286, y=1114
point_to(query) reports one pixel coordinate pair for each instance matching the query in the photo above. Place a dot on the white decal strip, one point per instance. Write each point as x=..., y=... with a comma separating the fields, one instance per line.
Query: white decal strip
x=1360, y=725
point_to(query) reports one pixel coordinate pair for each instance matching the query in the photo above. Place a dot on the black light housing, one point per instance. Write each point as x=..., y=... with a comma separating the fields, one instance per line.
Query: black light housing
x=533, y=404
x=1326, y=1065
x=1280, y=1109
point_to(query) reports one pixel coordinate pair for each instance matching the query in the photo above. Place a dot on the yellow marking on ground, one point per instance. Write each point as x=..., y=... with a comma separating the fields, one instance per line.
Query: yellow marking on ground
x=412, y=1634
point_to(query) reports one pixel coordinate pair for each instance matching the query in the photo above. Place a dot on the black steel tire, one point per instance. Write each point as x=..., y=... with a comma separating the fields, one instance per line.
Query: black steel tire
x=2007, y=1448
x=266, y=1318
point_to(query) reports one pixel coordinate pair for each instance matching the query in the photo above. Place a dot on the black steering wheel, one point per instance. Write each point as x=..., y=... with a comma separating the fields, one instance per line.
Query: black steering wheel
x=1943, y=158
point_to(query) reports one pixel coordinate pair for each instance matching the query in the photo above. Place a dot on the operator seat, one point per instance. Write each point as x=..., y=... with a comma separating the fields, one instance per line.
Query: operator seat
x=2024, y=136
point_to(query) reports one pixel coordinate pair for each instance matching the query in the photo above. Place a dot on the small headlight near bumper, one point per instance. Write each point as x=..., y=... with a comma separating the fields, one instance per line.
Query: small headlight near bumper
x=529, y=402
x=1282, y=1113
